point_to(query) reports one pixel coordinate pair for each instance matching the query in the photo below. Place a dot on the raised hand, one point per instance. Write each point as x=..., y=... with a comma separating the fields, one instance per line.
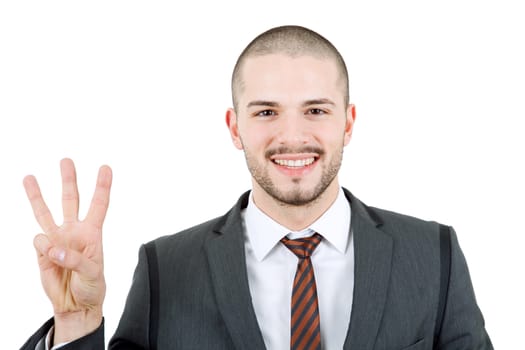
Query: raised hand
x=70, y=256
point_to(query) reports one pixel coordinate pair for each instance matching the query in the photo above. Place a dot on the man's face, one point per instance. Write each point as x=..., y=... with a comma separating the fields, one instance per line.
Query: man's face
x=292, y=123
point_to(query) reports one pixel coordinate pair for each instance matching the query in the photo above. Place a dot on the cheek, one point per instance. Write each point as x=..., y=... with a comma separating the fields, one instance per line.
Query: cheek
x=331, y=135
x=255, y=139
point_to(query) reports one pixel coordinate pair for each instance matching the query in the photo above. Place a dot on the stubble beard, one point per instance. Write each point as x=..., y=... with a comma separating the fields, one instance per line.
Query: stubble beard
x=297, y=196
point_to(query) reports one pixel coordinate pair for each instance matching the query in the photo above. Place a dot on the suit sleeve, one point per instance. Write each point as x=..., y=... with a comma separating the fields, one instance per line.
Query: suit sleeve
x=92, y=341
x=463, y=324
x=32, y=342
x=133, y=329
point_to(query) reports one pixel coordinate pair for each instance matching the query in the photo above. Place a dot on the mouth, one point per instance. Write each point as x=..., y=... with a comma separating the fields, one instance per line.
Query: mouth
x=295, y=163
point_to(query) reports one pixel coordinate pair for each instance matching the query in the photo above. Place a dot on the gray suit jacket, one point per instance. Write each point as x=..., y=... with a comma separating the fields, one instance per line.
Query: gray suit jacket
x=199, y=290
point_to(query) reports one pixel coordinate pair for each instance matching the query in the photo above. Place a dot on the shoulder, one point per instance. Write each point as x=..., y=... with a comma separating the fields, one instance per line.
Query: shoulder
x=406, y=231
x=411, y=234
x=194, y=237
x=188, y=239
x=180, y=252
x=397, y=223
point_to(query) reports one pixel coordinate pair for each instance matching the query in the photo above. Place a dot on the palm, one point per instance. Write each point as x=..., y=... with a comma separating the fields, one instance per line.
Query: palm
x=70, y=256
x=66, y=288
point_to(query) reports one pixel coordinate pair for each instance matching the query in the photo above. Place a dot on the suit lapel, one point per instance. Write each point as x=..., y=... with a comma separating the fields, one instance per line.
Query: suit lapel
x=226, y=257
x=373, y=257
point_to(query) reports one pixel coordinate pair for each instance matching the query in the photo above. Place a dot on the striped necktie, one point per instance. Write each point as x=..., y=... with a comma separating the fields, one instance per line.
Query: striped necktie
x=305, y=329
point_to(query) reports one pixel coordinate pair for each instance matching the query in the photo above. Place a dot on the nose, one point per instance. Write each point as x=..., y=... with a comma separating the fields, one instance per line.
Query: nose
x=293, y=129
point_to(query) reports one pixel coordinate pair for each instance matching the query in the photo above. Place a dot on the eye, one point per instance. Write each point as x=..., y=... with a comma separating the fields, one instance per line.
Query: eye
x=316, y=111
x=265, y=113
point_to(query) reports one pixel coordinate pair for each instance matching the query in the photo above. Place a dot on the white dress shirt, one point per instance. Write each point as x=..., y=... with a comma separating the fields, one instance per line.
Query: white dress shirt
x=45, y=342
x=271, y=271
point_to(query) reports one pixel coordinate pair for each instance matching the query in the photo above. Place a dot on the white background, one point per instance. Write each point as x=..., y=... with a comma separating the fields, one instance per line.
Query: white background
x=143, y=86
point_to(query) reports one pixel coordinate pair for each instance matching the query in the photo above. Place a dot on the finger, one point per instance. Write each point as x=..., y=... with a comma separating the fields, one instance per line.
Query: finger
x=42, y=244
x=99, y=203
x=75, y=261
x=69, y=190
x=40, y=210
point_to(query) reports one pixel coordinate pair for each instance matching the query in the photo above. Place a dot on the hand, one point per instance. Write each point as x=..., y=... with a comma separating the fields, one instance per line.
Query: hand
x=70, y=255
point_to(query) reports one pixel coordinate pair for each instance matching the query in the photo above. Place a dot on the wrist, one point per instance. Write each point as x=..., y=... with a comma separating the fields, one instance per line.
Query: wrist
x=70, y=326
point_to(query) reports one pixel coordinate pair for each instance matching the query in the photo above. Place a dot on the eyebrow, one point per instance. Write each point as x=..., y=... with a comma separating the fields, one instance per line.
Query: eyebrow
x=262, y=103
x=318, y=101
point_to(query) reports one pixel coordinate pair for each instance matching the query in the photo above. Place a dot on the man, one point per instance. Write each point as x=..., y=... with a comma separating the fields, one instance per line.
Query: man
x=298, y=262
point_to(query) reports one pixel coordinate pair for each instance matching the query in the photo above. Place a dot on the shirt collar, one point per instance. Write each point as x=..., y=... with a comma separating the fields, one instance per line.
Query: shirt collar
x=264, y=233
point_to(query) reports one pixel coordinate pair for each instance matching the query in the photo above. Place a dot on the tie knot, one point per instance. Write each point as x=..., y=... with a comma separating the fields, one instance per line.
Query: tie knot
x=303, y=247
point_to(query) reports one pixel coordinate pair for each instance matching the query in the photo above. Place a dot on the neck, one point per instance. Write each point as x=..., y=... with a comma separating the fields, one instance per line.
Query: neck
x=294, y=217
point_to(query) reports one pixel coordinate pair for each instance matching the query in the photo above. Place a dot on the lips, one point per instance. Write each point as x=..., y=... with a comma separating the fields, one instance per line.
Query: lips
x=294, y=163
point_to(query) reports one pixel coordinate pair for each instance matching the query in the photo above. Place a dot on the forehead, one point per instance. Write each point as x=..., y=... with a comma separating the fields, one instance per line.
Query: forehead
x=280, y=76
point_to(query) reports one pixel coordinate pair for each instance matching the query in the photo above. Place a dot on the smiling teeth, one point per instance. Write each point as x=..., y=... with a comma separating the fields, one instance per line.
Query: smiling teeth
x=294, y=163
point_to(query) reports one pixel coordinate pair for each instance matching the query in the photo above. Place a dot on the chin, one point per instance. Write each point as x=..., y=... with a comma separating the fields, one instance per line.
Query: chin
x=298, y=196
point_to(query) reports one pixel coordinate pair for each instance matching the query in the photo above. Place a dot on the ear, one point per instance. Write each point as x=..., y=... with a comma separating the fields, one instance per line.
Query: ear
x=349, y=126
x=231, y=122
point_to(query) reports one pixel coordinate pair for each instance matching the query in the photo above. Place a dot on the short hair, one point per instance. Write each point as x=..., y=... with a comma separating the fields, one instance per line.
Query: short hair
x=290, y=40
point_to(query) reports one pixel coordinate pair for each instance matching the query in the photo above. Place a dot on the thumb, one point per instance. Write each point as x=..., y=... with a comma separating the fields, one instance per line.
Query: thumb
x=66, y=258
x=75, y=261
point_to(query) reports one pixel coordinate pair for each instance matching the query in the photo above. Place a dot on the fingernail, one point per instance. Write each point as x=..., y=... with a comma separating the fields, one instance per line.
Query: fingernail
x=59, y=254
